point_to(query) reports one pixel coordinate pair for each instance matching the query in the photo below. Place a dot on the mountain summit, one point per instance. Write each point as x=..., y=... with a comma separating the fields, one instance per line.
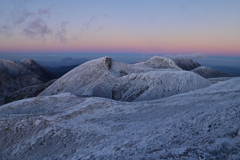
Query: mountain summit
x=156, y=78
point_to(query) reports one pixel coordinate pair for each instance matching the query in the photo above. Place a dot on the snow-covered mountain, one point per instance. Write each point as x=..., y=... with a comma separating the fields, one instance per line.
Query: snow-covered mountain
x=17, y=75
x=25, y=67
x=186, y=64
x=201, y=124
x=208, y=72
x=156, y=78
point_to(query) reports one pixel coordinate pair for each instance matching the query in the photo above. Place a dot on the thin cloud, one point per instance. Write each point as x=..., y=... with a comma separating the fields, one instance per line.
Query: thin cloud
x=106, y=16
x=183, y=7
x=61, y=33
x=89, y=23
x=21, y=16
x=45, y=11
x=187, y=56
x=36, y=28
x=31, y=24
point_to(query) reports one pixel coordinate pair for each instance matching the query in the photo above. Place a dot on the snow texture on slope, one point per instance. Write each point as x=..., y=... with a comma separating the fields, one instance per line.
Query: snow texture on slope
x=201, y=124
x=208, y=72
x=159, y=77
x=186, y=64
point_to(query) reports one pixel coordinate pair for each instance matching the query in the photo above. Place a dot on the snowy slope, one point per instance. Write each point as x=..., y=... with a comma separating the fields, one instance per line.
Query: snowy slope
x=186, y=64
x=202, y=124
x=208, y=72
x=159, y=77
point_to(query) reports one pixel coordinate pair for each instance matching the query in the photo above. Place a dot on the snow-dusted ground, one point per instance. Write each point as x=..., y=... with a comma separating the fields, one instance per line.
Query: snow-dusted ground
x=201, y=124
x=156, y=78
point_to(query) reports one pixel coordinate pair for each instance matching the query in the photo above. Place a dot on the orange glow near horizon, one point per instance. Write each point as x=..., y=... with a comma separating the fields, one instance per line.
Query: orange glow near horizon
x=123, y=43
x=160, y=27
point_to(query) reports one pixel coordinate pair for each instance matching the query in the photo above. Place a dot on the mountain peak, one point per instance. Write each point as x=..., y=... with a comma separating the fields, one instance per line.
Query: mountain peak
x=161, y=63
x=29, y=62
x=108, y=61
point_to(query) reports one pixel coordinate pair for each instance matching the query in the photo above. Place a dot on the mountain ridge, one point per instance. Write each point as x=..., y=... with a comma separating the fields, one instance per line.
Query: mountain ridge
x=104, y=77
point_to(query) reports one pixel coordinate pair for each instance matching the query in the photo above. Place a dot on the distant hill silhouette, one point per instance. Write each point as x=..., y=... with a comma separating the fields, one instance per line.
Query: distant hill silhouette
x=64, y=62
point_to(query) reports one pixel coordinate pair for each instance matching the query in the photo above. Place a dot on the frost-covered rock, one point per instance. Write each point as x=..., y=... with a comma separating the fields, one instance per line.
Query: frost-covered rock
x=208, y=72
x=186, y=64
x=159, y=77
x=201, y=124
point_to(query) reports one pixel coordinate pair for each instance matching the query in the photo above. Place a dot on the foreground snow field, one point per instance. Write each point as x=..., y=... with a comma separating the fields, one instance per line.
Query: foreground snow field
x=201, y=124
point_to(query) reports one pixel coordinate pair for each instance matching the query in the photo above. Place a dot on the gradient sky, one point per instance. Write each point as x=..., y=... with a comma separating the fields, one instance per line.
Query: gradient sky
x=209, y=27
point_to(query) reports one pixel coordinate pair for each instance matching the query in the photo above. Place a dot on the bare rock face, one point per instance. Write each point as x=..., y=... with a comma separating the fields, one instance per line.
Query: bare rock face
x=208, y=72
x=186, y=64
x=17, y=75
x=159, y=77
x=200, y=124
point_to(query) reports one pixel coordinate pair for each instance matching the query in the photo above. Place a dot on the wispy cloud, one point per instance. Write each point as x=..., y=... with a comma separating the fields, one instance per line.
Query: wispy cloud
x=187, y=56
x=89, y=23
x=45, y=11
x=37, y=28
x=61, y=32
x=32, y=24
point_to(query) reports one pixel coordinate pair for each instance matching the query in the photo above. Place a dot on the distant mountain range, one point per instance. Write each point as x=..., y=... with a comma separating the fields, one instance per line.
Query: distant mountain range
x=64, y=62
x=60, y=71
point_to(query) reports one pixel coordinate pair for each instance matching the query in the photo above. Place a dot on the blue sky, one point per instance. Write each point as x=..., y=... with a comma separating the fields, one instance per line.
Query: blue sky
x=131, y=27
